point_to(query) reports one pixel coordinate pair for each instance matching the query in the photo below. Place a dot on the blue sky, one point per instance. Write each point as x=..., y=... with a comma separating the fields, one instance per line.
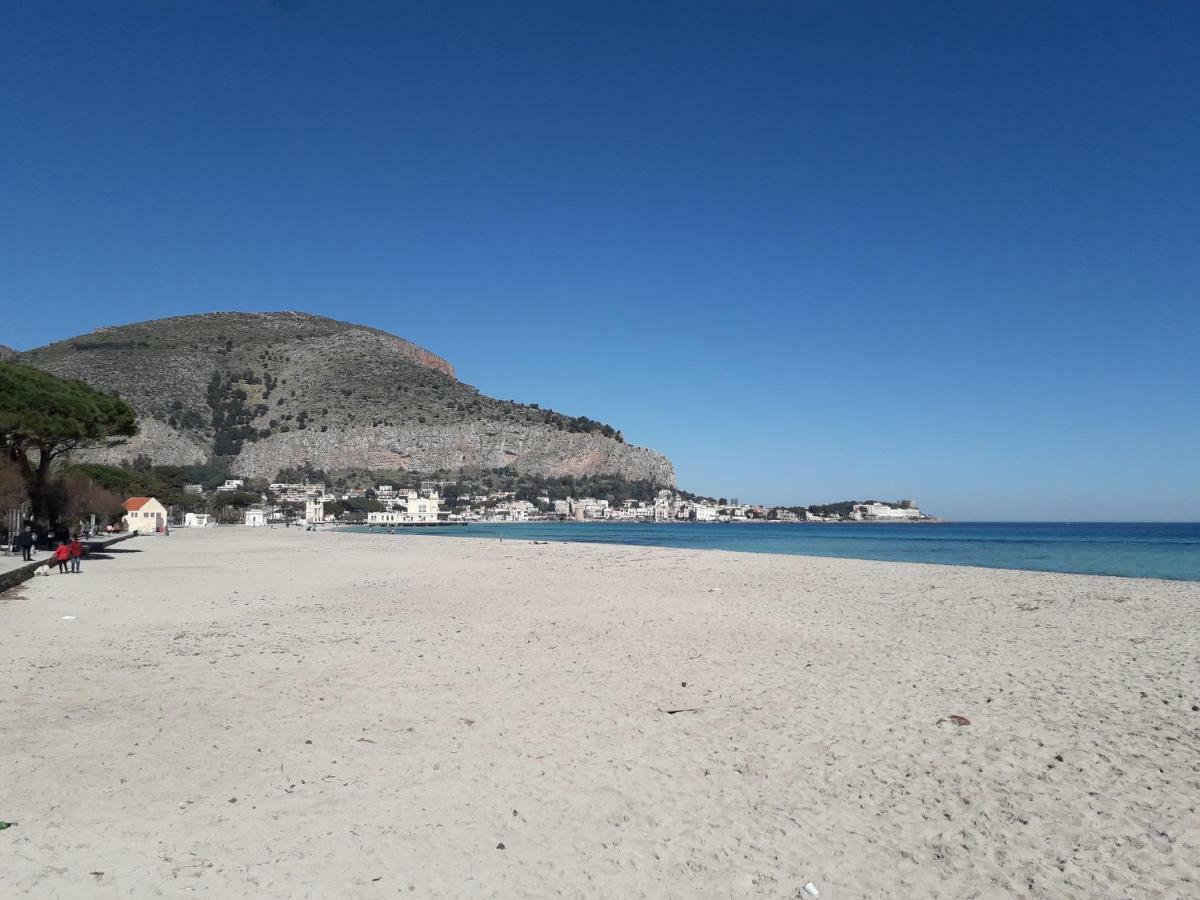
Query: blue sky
x=811, y=251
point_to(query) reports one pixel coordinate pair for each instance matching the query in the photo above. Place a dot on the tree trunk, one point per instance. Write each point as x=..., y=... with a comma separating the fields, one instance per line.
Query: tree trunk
x=37, y=481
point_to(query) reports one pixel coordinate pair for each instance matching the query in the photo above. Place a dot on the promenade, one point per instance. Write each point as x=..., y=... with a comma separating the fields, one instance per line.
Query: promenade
x=11, y=561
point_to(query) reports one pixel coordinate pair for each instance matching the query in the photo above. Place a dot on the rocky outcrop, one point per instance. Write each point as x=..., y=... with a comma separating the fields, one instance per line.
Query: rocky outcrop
x=533, y=449
x=270, y=391
x=7, y=352
x=164, y=445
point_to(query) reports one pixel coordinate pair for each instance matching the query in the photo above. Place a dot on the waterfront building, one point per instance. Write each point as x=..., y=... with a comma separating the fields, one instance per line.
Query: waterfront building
x=314, y=510
x=411, y=511
x=875, y=510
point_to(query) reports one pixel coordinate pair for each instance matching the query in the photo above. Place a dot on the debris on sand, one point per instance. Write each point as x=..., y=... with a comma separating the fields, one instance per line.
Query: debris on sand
x=955, y=720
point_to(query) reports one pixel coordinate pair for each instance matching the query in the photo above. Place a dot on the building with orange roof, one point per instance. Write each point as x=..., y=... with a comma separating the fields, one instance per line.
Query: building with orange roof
x=144, y=514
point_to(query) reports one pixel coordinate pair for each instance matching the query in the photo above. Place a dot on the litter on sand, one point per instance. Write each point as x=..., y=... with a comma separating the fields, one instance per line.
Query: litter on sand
x=811, y=890
x=68, y=618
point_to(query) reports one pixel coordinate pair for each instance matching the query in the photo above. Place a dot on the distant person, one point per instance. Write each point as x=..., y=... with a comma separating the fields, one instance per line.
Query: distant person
x=62, y=555
x=76, y=548
x=25, y=542
x=108, y=528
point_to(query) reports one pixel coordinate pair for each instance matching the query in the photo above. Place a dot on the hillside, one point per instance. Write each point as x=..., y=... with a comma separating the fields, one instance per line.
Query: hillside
x=7, y=352
x=275, y=390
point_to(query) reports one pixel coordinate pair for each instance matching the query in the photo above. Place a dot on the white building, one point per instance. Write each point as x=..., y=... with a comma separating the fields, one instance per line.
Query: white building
x=589, y=508
x=415, y=511
x=883, y=511
x=299, y=492
x=197, y=520
x=516, y=510
x=314, y=510
x=704, y=513
x=255, y=518
x=233, y=484
x=662, y=507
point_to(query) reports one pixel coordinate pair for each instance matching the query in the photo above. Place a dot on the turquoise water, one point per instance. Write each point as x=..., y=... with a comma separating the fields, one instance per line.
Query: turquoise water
x=1127, y=549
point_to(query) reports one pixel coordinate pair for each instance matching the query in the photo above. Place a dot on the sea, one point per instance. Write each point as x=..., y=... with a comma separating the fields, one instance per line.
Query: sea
x=1127, y=549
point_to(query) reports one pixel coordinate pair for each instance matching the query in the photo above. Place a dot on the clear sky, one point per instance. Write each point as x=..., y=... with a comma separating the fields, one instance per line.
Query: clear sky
x=810, y=250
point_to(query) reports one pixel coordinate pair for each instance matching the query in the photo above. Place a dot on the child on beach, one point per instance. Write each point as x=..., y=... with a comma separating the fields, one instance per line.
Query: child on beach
x=76, y=548
x=62, y=553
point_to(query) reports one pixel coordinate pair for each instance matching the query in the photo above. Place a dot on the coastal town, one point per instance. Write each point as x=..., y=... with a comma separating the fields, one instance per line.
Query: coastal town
x=386, y=505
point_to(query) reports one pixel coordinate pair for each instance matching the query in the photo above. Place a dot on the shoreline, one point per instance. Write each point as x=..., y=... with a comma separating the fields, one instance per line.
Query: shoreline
x=954, y=552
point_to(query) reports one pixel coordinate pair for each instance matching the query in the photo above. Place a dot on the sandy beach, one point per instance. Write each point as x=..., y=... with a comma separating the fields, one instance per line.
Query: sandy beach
x=274, y=713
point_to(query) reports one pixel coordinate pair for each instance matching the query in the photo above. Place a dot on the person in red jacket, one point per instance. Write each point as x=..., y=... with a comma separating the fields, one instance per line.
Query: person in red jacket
x=76, y=548
x=62, y=553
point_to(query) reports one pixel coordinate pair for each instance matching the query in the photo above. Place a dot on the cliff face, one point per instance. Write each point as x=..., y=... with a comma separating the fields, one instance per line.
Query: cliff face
x=277, y=390
x=428, y=448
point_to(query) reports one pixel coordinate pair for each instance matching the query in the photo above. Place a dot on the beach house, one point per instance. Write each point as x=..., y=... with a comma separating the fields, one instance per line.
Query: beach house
x=144, y=514
x=256, y=518
x=197, y=520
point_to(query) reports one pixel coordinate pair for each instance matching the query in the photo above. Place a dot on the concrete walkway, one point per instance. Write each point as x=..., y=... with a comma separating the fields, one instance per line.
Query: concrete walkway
x=10, y=561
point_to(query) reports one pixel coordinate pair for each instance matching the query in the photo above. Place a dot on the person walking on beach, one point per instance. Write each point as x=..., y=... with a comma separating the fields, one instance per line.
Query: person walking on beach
x=76, y=548
x=62, y=554
x=25, y=542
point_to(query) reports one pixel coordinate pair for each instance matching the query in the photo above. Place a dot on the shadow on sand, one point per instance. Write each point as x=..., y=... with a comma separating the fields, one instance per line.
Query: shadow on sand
x=110, y=553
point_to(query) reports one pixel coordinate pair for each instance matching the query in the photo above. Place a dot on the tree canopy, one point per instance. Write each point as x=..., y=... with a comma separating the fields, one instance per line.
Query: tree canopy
x=43, y=417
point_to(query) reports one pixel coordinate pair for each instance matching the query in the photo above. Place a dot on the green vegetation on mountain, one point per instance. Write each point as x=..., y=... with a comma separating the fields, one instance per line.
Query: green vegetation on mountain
x=148, y=480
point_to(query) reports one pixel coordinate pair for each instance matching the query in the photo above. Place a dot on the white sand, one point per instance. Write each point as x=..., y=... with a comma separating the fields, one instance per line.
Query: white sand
x=463, y=693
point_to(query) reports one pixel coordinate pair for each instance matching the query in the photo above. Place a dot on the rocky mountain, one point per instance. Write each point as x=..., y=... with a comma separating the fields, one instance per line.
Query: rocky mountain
x=281, y=390
x=7, y=352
